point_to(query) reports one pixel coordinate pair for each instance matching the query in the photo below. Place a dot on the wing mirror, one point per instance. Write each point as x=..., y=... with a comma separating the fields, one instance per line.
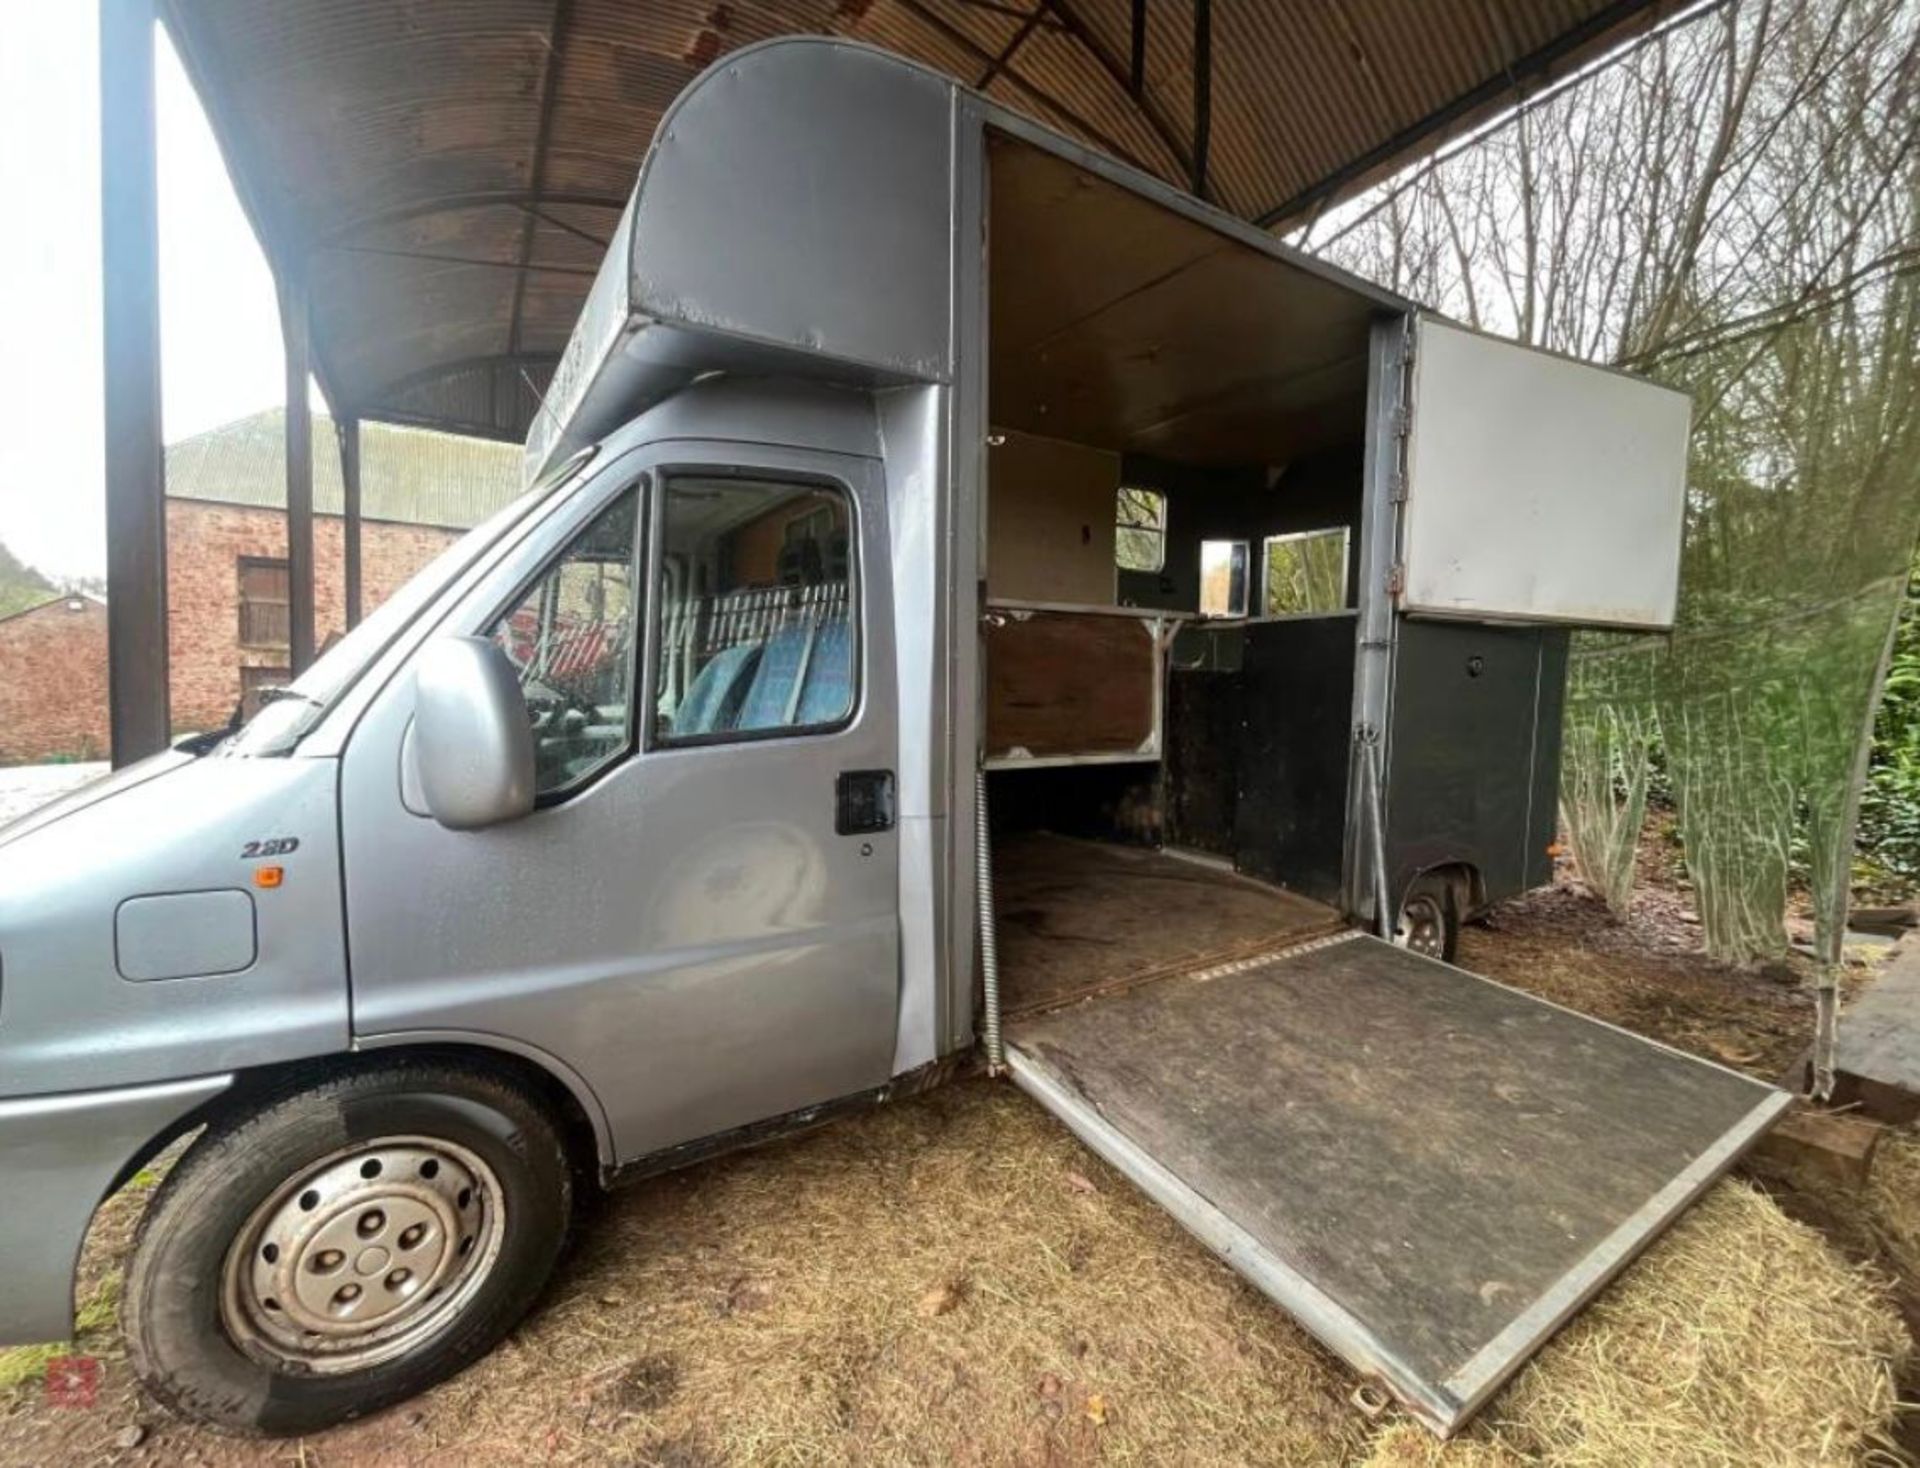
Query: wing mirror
x=470, y=751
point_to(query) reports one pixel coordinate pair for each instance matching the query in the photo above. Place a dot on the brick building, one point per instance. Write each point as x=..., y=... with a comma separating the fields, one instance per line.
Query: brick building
x=53, y=681
x=227, y=572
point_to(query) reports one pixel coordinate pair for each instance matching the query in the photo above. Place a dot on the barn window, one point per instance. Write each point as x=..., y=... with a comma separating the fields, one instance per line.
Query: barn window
x=263, y=602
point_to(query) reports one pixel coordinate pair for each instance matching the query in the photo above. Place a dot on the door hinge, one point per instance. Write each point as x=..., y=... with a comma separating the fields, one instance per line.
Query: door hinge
x=1397, y=487
x=1396, y=578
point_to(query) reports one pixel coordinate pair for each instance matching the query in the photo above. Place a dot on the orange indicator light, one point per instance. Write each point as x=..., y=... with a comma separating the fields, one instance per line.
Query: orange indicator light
x=269, y=876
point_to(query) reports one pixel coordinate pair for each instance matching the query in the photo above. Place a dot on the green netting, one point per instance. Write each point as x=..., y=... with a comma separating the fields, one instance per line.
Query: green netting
x=1762, y=700
x=1609, y=736
x=1735, y=797
x=1889, y=839
x=1733, y=208
x=1765, y=731
x=1762, y=729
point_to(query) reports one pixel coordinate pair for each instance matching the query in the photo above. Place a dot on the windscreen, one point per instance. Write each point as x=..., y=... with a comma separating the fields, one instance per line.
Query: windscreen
x=288, y=713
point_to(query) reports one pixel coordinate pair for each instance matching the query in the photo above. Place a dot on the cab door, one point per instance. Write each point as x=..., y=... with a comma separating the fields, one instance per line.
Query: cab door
x=700, y=918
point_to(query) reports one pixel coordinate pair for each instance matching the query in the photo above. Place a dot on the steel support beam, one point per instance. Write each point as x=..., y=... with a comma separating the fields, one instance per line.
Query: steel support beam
x=559, y=23
x=460, y=203
x=130, y=314
x=1041, y=98
x=348, y=428
x=1509, y=88
x=1018, y=39
x=1137, y=50
x=1202, y=92
x=1122, y=78
x=295, y=332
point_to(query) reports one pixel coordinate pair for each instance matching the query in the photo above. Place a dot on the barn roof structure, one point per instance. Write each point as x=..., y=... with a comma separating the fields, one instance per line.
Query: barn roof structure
x=408, y=476
x=434, y=182
x=445, y=174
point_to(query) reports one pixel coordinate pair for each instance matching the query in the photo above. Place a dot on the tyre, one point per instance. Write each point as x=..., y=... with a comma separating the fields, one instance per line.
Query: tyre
x=1430, y=917
x=345, y=1245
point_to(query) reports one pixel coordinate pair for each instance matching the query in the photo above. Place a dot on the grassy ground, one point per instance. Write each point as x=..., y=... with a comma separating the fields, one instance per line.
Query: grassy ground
x=955, y=1280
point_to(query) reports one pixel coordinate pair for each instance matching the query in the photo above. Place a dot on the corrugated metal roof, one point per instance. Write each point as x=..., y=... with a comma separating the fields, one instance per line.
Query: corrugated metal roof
x=407, y=475
x=449, y=170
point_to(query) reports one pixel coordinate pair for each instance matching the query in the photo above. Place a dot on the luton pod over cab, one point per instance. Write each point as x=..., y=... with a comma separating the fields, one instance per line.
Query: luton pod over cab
x=969, y=598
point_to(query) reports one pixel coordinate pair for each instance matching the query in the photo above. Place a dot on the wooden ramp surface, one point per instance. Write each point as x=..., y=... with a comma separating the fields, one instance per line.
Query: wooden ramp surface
x=1429, y=1170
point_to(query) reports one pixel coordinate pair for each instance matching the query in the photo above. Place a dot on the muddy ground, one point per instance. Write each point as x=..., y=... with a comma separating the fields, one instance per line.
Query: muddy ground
x=948, y=1279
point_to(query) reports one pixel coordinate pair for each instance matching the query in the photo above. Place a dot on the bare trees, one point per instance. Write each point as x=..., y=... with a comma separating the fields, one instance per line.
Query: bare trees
x=1733, y=207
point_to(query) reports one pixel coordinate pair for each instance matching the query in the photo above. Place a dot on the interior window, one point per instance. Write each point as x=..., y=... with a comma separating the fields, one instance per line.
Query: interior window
x=1223, y=578
x=757, y=609
x=571, y=637
x=1140, y=530
x=1307, y=572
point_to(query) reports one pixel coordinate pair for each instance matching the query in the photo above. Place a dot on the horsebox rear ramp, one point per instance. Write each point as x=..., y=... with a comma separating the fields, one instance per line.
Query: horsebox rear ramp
x=1429, y=1170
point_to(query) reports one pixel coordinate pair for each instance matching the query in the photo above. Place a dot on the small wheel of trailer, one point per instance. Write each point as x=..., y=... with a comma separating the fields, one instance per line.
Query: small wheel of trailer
x=1430, y=918
x=345, y=1245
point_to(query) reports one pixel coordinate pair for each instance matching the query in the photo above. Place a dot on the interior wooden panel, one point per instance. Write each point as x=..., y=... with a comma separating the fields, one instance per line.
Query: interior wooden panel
x=1050, y=509
x=1119, y=323
x=1069, y=683
x=1045, y=276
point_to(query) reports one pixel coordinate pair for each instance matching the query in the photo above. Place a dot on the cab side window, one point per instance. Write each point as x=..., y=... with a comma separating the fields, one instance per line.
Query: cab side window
x=758, y=609
x=571, y=637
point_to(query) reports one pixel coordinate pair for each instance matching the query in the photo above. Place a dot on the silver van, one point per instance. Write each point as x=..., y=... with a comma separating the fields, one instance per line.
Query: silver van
x=972, y=605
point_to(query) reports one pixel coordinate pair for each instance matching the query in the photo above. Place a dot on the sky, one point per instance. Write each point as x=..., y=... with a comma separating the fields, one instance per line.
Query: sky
x=219, y=324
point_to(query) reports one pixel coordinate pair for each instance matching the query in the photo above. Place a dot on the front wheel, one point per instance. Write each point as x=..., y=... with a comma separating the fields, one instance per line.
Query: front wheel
x=345, y=1245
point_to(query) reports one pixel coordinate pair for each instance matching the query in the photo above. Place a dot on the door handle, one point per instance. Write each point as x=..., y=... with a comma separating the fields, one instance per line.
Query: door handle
x=863, y=802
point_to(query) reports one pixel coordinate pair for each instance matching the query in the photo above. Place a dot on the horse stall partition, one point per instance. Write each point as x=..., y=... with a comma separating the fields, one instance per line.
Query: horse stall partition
x=1258, y=729
x=1073, y=685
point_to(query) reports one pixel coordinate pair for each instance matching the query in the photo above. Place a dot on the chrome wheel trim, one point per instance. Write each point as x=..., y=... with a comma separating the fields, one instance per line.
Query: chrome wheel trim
x=1423, y=926
x=363, y=1256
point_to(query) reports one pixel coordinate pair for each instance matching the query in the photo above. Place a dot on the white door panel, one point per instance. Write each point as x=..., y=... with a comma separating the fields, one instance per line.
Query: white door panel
x=1540, y=488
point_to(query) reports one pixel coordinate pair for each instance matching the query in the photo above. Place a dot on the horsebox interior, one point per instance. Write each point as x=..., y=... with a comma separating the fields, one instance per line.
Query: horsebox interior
x=1428, y=1170
x=1173, y=512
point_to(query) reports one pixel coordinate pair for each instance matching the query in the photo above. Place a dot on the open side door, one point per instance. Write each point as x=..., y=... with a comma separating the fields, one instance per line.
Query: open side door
x=1429, y=1170
x=1539, y=488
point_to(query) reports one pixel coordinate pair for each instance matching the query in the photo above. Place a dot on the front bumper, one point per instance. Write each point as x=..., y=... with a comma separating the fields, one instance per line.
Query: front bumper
x=58, y=1156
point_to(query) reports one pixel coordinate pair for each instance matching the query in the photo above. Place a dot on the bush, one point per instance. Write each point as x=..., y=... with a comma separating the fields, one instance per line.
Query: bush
x=1889, y=837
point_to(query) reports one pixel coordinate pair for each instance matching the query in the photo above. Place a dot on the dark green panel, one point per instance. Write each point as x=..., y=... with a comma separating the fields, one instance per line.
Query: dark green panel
x=1296, y=703
x=1474, y=751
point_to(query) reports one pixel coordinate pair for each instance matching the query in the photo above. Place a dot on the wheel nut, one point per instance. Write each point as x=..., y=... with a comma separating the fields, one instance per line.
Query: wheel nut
x=327, y=1260
x=398, y=1278
x=410, y=1237
x=371, y=1222
x=346, y=1294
